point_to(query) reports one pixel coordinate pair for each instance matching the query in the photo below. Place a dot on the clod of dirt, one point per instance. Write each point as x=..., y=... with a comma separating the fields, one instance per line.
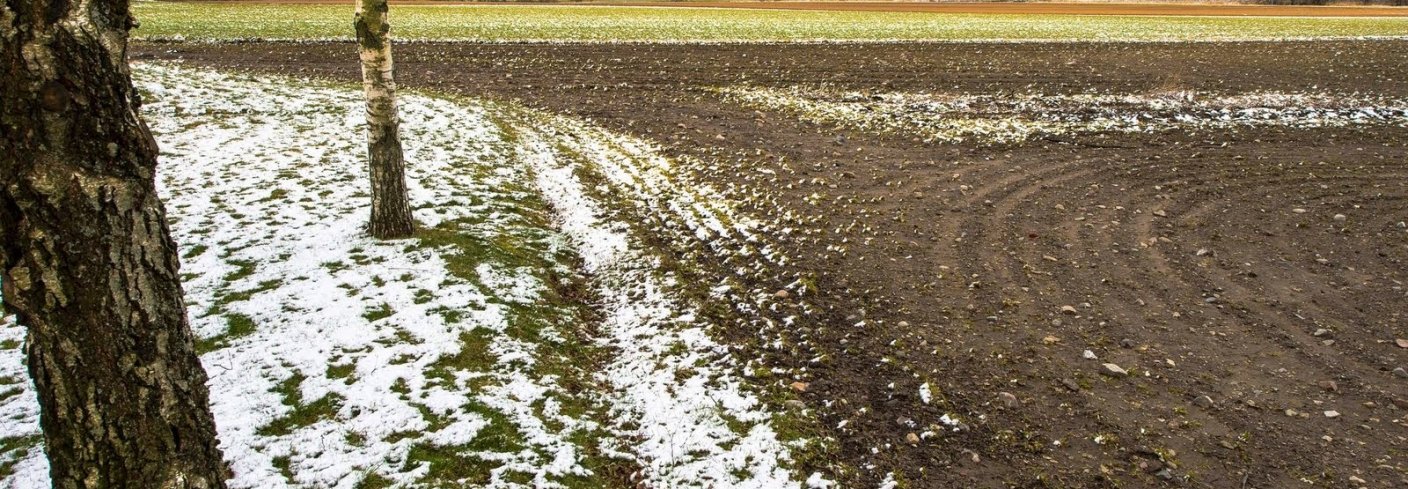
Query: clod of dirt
x=1007, y=399
x=1148, y=465
x=1113, y=370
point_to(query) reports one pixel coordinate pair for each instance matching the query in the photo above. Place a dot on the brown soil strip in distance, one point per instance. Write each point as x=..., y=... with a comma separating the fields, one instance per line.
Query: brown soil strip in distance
x=1142, y=9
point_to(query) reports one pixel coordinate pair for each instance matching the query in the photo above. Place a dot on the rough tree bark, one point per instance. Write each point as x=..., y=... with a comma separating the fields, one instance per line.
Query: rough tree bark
x=391, y=208
x=89, y=266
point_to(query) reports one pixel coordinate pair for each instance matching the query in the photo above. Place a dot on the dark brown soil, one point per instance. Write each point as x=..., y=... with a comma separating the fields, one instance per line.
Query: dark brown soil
x=959, y=258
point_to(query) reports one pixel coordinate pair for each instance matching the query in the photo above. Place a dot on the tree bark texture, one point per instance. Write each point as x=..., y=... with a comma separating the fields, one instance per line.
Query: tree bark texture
x=89, y=265
x=391, y=208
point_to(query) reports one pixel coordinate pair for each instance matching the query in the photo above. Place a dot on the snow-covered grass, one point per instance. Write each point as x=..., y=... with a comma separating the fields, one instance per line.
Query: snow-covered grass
x=363, y=360
x=680, y=386
x=525, y=338
x=21, y=455
x=1013, y=118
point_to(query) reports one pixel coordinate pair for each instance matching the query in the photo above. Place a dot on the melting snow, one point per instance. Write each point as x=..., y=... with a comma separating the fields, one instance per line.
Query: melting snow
x=1009, y=118
x=328, y=351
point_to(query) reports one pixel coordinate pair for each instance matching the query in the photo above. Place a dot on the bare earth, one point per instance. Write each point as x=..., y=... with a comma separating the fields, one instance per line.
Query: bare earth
x=1181, y=253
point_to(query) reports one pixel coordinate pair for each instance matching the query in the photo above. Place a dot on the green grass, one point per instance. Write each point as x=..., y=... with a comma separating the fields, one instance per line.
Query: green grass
x=14, y=449
x=374, y=481
x=302, y=414
x=500, y=23
x=378, y=313
x=244, y=268
x=237, y=326
x=455, y=464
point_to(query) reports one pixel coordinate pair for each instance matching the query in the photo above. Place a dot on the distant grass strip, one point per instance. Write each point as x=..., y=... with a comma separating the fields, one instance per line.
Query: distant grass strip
x=509, y=23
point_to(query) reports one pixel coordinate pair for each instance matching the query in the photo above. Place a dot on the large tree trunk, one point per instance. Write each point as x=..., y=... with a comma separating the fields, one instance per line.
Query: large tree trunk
x=89, y=266
x=391, y=208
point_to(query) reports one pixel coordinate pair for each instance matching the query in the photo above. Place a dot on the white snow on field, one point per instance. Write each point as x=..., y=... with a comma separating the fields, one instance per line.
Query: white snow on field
x=1009, y=118
x=20, y=448
x=691, y=418
x=337, y=360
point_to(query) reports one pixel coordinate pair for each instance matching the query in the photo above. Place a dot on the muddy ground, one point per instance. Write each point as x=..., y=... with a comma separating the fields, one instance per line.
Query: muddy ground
x=1205, y=263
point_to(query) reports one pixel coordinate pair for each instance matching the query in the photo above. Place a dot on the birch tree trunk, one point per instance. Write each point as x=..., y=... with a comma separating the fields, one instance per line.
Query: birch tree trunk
x=89, y=267
x=391, y=208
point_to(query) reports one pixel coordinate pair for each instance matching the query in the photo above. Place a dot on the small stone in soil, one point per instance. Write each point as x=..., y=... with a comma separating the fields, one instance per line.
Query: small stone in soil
x=1113, y=370
x=1007, y=398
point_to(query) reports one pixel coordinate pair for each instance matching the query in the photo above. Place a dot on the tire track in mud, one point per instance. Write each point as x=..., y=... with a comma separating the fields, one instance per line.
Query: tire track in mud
x=1185, y=277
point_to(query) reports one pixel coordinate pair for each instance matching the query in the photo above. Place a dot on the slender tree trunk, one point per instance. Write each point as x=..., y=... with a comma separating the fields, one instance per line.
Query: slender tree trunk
x=391, y=208
x=89, y=266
